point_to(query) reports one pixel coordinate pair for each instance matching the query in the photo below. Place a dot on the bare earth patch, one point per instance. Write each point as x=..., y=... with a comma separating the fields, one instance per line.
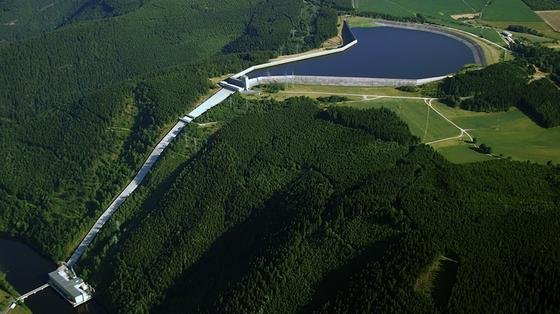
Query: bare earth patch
x=551, y=18
x=466, y=16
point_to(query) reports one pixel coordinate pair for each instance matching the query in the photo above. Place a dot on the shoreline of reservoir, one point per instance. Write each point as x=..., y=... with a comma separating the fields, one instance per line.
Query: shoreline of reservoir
x=477, y=50
x=357, y=63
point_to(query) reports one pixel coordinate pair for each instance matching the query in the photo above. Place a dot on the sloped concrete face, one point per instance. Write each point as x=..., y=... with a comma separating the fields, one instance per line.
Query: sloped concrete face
x=349, y=41
x=339, y=81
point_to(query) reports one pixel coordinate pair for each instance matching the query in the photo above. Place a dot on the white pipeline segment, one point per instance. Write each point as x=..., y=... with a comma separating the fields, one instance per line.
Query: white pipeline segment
x=217, y=98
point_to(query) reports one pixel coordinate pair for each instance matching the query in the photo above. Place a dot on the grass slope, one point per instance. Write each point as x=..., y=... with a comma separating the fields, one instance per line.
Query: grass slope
x=422, y=121
x=510, y=133
x=510, y=11
x=411, y=7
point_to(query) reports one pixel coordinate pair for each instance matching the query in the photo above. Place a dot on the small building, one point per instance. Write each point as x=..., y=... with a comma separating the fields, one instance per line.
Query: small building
x=507, y=34
x=70, y=286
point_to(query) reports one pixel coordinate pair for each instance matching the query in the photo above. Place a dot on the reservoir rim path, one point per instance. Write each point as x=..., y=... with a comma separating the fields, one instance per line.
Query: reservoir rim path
x=476, y=49
x=465, y=38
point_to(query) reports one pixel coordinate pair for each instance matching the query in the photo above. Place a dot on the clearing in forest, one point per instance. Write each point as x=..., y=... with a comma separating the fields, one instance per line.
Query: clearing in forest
x=511, y=134
x=423, y=122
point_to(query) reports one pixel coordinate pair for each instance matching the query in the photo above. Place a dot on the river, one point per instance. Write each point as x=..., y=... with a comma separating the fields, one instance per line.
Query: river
x=386, y=52
x=26, y=270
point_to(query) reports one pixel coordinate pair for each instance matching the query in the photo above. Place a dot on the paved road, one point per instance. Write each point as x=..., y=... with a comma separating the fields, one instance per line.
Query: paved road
x=216, y=99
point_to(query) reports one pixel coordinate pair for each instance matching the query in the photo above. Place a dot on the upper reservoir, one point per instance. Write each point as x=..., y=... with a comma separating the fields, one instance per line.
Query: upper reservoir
x=386, y=52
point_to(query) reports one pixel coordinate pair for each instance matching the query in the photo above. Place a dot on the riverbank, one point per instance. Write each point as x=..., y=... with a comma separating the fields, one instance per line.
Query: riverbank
x=348, y=38
x=26, y=270
x=7, y=296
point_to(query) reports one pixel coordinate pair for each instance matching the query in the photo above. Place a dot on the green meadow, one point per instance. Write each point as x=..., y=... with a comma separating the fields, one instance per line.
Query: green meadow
x=422, y=121
x=411, y=7
x=510, y=11
x=511, y=134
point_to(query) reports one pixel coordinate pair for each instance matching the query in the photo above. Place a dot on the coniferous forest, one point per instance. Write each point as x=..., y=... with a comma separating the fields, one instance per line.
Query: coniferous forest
x=293, y=207
x=81, y=107
x=508, y=84
x=261, y=205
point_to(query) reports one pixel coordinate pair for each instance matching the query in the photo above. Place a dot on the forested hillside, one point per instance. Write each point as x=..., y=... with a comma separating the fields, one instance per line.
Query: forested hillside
x=291, y=208
x=502, y=86
x=80, y=107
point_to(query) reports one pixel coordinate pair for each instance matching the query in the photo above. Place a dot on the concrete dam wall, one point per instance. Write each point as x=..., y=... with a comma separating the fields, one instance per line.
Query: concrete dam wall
x=338, y=81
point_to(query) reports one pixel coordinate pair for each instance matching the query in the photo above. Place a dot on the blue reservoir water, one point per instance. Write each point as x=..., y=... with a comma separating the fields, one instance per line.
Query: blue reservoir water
x=386, y=52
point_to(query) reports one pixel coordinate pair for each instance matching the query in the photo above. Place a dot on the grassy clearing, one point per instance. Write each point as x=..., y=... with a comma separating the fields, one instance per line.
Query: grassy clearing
x=459, y=152
x=339, y=90
x=532, y=38
x=437, y=280
x=509, y=10
x=411, y=7
x=422, y=121
x=360, y=21
x=510, y=133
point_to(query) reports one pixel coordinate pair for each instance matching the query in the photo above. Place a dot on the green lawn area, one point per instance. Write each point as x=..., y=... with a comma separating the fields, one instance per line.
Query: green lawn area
x=5, y=301
x=411, y=7
x=315, y=90
x=509, y=10
x=422, y=121
x=509, y=133
x=360, y=21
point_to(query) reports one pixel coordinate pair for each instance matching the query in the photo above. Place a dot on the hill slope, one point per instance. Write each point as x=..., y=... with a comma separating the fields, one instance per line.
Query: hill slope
x=290, y=209
x=81, y=106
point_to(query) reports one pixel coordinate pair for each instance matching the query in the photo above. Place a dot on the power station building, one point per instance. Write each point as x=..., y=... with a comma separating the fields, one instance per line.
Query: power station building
x=70, y=286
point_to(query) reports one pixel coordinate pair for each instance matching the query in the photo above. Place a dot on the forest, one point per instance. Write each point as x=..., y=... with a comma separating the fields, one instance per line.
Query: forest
x=543, y=57
x=261, y=205
x=294, y=207
x=503, y=85
x=272, y=22
x=81, y=107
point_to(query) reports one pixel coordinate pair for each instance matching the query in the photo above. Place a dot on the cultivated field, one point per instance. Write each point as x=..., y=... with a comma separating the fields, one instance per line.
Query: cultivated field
x=552, y=18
